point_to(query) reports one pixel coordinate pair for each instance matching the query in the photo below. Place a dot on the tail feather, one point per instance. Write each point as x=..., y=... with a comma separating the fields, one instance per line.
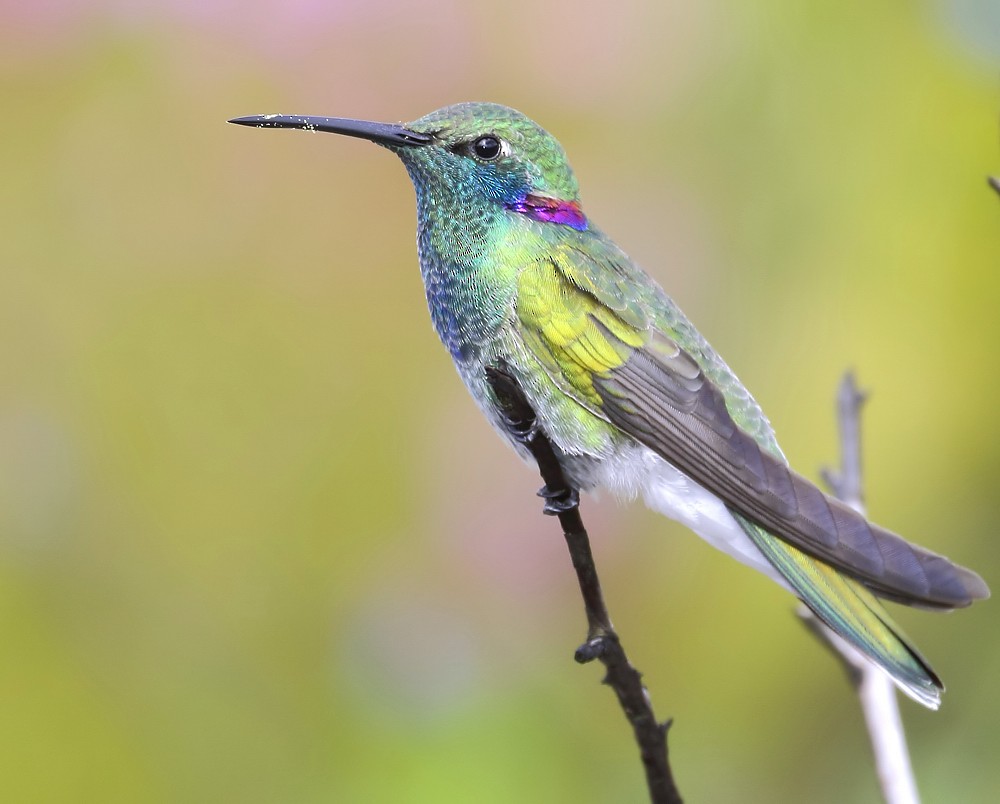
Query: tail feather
x=854, y=613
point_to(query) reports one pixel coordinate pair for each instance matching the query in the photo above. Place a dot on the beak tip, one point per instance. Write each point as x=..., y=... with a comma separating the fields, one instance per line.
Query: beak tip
x=253, y=120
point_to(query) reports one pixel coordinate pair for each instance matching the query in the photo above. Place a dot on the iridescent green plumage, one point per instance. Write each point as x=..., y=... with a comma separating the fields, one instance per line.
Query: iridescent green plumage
x=628, y=391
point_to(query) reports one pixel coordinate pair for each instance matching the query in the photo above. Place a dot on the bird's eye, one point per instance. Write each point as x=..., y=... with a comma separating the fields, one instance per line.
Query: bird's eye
x=487, y=147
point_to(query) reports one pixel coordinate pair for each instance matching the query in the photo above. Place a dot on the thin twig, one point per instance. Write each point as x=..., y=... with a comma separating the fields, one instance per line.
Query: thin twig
x=562, y=500
x=875, y=691
x=994, y=182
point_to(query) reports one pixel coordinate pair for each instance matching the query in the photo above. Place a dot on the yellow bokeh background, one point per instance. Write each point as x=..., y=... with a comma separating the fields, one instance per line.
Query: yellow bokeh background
x=257, y=545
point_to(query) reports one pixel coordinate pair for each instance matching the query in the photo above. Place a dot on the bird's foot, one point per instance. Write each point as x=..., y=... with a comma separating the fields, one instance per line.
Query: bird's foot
x=558, y=501
x=521, y=430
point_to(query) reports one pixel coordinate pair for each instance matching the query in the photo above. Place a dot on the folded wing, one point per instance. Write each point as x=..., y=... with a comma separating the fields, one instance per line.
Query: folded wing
x=641, y=380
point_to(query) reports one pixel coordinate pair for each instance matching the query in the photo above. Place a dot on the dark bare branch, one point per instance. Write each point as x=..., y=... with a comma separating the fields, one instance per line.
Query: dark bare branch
x=602, y=643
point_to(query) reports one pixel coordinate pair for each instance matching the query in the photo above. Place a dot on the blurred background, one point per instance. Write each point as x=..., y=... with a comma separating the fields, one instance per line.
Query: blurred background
x=257, y=545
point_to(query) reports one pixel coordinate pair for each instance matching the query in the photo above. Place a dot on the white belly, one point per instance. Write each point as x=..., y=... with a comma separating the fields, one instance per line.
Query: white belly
x=670, y=492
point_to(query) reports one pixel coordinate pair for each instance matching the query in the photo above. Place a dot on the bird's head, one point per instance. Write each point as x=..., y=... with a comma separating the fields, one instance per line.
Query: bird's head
x=469, y=154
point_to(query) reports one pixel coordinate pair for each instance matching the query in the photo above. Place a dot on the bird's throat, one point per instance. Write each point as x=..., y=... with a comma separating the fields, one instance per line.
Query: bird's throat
x=550, y=210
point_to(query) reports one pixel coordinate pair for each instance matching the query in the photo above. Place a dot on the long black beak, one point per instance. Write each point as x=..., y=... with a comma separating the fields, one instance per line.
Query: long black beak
x=382, y=133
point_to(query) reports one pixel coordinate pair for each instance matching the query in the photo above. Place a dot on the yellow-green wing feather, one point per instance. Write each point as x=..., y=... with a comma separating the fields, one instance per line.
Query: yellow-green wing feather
x=570, y=331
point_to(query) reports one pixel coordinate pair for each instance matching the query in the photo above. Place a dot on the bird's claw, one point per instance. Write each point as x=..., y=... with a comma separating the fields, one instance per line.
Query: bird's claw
x=522, y=431
x=558, y=501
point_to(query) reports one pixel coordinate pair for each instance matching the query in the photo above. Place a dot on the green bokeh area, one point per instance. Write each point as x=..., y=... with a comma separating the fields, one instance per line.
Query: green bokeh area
x=256, y=544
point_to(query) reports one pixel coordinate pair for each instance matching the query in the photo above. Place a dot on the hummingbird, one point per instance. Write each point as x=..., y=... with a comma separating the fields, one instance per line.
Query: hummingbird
x=628, y=392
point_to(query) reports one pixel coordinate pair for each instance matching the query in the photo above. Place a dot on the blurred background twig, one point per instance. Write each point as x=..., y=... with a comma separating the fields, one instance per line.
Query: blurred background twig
x=875, y=691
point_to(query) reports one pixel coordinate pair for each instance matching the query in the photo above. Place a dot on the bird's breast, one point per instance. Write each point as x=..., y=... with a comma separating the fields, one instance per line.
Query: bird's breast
x=469, y=299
